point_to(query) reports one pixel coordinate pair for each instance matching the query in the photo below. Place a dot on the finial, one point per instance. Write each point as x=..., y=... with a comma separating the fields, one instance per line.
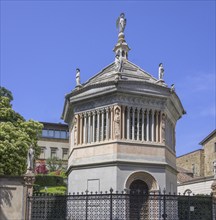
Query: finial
x=121, y=48
x=160, y=71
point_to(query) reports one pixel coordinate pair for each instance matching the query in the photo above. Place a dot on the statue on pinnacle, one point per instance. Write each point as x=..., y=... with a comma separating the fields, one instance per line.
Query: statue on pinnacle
x=121, y=23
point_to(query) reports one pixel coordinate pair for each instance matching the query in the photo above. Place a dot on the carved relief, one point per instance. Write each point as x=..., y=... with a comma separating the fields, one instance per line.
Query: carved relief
x=29, y=180
x=75, y=130
x=123, y=100
x=163, y=128
x=117, y=122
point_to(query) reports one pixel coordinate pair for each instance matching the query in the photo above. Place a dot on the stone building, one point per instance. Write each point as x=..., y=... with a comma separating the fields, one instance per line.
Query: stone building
x=193, y=162
x=197, y=169
x=209, y=146
x=122, y=128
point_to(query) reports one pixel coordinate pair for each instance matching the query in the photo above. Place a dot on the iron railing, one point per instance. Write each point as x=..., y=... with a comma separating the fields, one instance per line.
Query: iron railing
x=121, y=206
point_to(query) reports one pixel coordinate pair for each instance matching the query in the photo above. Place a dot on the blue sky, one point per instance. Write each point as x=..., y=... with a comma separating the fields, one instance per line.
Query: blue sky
x=43, y=42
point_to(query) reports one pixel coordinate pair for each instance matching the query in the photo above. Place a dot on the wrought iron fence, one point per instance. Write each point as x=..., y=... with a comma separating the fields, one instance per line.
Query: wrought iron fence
x=121, y=206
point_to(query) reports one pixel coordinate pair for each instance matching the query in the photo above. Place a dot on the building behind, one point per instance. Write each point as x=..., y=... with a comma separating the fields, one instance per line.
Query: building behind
x=54, y=142
x=197, y=169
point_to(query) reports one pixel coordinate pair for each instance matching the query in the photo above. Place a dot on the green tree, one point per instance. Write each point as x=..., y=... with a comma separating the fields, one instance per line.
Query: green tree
x=16, y=135
x=54, y=164
x=5, y=92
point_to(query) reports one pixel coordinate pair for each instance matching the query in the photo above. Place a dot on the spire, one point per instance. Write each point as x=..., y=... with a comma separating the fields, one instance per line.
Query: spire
x=121, y=48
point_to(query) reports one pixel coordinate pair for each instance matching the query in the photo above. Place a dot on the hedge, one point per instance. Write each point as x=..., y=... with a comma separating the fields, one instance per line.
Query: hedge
x=47, y=180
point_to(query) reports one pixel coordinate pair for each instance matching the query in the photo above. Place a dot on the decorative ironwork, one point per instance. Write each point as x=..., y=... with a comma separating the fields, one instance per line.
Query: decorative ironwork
x=133, y=205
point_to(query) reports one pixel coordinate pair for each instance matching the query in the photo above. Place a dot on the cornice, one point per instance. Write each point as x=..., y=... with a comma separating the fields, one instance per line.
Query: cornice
x=160, y=165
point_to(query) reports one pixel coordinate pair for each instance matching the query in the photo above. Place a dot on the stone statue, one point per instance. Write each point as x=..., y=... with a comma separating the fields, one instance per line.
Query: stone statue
x=77, y=77
x=117, y=123
x=75, y=131
x=160, y=71
x=172, y=88
x=30, y=159
x=118, y=64
x=121, y=23
x=163, y=128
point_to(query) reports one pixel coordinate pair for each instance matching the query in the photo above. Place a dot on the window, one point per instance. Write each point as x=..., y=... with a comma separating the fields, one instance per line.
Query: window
x=53, y=152
x=42, y=154
x=64, y=153
x=57, y=134
x=193, y=169
x=44, y=133
x=214, y=147
x=63, y=134
x=51, y=133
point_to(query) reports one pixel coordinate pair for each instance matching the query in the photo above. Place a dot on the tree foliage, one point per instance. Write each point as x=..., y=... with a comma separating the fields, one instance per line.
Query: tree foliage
x=16, y=135
x=6, y=93
x=54, y=164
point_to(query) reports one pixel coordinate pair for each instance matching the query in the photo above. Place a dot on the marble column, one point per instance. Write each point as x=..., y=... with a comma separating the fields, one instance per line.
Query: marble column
x=111, y=122
x=128, y=123
x=107, y=123
x=98, y=125
x=156, y=116
x=133, y=123
x=85, y=128
x=93, y=126
x=143, y=117
x=138, y=114
x=147, y=125
x=81, y=128
x=89, y=127
x=123, y=122
x=102, y=126
x=77, y=128
x=152, y=127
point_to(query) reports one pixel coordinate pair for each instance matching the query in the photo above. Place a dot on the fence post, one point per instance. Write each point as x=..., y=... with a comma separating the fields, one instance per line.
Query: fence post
x=27, y=207
x=86, y=204
x=111, y=191
x=212, y=206
x=188, y=206
x=164, y=215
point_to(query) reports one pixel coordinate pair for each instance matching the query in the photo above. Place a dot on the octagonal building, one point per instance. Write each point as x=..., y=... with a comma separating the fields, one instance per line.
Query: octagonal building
x=122, y=129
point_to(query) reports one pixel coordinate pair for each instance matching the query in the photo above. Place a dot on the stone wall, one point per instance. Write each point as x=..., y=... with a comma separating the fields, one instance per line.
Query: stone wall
x=13, y=196
x=193, y=162
x=198, y=186
x=210, y=155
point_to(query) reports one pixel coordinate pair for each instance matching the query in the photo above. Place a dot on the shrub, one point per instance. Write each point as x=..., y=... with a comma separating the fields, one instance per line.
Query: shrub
x=48, y=180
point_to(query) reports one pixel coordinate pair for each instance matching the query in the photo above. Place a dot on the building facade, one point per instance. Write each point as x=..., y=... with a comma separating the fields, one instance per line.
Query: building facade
x=193, y=162
x=197, y=169
x=122, y=128
x=54, y=142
